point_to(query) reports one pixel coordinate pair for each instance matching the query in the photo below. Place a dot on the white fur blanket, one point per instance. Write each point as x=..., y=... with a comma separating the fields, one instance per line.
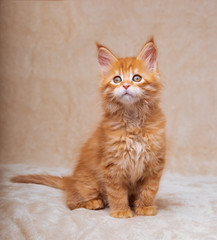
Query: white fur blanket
x=187, y=209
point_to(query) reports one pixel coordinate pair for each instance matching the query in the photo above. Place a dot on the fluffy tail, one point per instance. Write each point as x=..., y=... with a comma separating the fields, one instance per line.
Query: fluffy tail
x=48, y=180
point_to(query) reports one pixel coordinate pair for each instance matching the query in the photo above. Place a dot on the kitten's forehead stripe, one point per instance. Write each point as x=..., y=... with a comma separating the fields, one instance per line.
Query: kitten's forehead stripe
x=127, y=69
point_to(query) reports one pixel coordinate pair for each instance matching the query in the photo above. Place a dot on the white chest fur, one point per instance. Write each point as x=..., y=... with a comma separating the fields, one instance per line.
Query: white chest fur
x=135, y=156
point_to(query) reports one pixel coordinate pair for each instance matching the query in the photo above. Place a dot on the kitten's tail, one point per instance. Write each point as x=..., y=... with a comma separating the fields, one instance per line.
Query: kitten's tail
x=48, y=180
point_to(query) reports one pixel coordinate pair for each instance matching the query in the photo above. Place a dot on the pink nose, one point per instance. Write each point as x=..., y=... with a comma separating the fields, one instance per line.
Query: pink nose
x=126, y=86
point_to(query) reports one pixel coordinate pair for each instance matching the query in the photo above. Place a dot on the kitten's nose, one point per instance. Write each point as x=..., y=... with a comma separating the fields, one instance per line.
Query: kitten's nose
x=126, y=86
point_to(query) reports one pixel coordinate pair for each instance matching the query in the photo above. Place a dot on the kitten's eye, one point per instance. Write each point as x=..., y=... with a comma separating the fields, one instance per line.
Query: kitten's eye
x=117, y=79
x=137, y=78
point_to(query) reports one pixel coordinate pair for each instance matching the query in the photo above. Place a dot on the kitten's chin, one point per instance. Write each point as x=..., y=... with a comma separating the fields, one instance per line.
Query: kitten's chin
x=128, y=99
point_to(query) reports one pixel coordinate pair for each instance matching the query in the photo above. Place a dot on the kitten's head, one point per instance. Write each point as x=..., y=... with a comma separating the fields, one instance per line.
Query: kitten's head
x=129, y=81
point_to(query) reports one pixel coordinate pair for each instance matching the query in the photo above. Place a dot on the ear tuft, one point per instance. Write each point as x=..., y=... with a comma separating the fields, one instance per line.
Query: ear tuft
x=151, y=39
x=99, y=45
x=105, y=57
x=148, y=55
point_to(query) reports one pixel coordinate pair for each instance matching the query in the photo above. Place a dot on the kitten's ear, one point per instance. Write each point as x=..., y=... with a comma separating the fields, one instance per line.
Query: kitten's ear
x=148, y=55
x=105, y=58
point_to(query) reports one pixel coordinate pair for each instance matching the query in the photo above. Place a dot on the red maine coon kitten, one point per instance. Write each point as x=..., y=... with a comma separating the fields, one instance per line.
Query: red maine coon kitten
x=122, y=163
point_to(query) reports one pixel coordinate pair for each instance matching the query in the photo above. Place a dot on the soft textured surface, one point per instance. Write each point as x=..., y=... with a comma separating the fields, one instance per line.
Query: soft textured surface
x=49, y=98
x=187, y=209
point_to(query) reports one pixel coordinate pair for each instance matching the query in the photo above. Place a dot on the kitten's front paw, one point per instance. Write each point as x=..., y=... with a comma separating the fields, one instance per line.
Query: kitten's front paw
x=122, y=214
x=146, y=211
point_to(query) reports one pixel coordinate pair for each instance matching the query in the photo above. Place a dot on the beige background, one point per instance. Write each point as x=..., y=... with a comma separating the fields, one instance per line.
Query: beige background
x=49, y=97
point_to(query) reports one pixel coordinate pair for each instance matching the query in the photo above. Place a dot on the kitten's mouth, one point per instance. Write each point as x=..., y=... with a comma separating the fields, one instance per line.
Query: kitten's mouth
x=127, y=97
x=127, y=94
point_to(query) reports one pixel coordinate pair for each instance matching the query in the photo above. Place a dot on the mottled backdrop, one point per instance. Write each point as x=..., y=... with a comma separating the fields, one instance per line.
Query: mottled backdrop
x=49, y=101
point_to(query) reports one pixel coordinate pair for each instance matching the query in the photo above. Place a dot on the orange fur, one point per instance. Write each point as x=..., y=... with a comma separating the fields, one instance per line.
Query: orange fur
x=122, y=163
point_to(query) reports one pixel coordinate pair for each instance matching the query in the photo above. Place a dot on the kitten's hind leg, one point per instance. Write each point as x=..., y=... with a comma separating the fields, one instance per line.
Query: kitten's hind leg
x=80, y=194
x=94, y=204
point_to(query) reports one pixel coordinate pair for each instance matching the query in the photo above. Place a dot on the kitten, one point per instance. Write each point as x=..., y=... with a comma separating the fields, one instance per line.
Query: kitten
x=122, y=163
